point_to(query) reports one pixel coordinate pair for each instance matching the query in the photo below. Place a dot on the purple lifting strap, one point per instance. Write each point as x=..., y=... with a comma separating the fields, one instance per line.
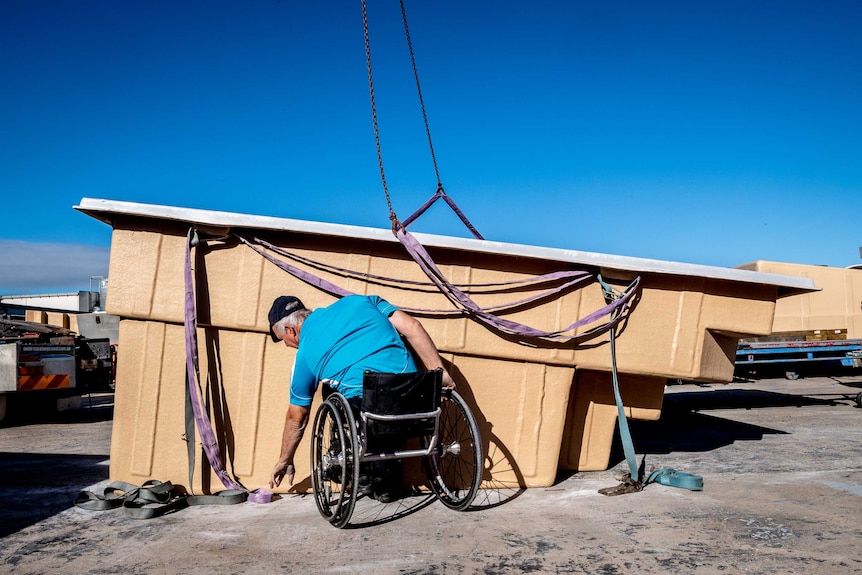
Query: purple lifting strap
x=208, y=438
x=483, y=287
x=617, y=309
x=441, y=193
x=308, y=278
x=463, y=301
x=573, y=279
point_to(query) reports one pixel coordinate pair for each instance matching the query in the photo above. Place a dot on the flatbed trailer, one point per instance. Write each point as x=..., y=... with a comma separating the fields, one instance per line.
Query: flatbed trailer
x=793, y=356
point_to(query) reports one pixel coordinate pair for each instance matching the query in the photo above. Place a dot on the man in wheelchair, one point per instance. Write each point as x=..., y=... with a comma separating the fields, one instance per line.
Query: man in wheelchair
x=335, y=346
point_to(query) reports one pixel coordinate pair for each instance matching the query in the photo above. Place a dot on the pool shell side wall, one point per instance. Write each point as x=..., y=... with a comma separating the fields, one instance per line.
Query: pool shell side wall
x=540, y=408
x=836, y=307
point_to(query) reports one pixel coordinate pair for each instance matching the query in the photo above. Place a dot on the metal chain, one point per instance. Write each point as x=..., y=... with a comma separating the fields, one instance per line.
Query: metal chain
x=419, y=90
x=392, y=217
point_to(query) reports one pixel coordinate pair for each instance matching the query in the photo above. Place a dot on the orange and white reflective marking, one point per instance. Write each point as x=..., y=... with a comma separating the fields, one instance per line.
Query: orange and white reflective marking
x=32, y=382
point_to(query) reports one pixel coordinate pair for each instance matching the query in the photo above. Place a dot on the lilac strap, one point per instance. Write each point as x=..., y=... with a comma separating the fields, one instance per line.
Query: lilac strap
x=463, y=301
x=208, y=438
x=575, y=278
x=617, y=309
x=308, y=278
x=489, y=287
x=441, y=193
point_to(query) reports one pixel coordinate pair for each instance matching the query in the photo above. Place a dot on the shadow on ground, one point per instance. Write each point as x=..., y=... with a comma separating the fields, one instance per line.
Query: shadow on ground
x=35, y=486
x=709, y=398
x=684, y=426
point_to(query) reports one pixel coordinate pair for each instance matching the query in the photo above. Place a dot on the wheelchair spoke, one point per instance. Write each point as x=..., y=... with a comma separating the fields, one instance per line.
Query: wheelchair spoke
x=454, y=469
x=333, y=466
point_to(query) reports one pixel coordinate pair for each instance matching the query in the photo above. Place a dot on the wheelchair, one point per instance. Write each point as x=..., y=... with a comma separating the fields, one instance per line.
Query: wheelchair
x=409, y=406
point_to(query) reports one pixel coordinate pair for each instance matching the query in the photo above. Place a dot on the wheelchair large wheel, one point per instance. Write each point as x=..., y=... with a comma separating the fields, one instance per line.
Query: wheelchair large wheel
x=352, y=455
x=454, y=468
x=334, y=469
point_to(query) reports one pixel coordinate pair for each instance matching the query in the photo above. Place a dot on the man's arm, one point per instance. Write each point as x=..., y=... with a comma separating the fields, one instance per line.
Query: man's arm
x=294, y=426
x=421, y=342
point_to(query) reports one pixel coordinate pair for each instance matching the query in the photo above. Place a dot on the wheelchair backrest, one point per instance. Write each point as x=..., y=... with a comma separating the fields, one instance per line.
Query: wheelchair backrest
x=402, y=394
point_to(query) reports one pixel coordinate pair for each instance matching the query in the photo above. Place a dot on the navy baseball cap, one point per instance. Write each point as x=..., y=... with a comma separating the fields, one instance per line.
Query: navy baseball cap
x=282, y=307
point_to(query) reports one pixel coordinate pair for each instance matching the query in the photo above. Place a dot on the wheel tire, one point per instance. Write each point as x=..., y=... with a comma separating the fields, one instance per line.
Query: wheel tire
x=859, y=399
x=334, y=473
x=454, y=468
x=351, y=457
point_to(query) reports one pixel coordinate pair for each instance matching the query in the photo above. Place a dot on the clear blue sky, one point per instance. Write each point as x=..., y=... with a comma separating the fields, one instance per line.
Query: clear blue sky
x=715, y=133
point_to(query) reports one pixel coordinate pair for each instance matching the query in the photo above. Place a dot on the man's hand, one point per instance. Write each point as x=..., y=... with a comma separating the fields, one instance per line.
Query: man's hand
x=447, y=380
x=294, y=427
x=280, y=471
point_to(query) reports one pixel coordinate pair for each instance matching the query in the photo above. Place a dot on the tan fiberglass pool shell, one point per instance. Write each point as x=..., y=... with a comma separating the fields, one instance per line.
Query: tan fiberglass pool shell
x=833, y=312
x=540, y=408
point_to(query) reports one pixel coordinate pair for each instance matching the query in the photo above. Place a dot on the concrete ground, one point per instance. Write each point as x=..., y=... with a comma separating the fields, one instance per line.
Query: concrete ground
x=781, y=462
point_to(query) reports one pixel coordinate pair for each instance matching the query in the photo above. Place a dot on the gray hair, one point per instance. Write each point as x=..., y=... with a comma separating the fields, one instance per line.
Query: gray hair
x=291, y=321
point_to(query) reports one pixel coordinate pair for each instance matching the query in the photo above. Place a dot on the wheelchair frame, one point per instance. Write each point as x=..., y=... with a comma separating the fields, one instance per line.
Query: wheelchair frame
x=339, y=447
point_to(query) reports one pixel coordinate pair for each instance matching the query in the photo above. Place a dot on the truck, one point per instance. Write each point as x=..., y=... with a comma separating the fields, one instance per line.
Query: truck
x=48, y=365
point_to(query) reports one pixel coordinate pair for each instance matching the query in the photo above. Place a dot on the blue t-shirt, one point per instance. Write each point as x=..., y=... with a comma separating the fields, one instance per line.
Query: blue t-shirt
x=337, y=344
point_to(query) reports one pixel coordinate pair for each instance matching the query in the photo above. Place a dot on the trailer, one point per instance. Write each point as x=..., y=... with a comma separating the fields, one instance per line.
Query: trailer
x=796, y=357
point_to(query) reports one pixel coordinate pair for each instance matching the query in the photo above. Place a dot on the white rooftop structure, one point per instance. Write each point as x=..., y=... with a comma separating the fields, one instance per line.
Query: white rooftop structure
x=76, y=302
x=104, y=210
